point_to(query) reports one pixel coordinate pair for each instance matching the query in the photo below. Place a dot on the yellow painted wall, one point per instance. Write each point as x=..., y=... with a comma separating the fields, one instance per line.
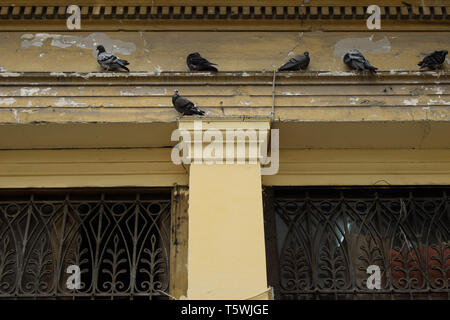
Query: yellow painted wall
x=226, y=254
x=367, y=167
x=63, y=123
x=151, y=167
x=239, y=50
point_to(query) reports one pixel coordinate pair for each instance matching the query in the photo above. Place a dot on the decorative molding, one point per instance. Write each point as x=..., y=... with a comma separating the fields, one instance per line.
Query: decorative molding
x=66, y=168
x=227, y=12
x=222, y=77
x=145, y=98
x=373, y=167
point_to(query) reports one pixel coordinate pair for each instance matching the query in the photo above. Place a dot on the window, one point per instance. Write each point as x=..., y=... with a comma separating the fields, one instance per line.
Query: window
x=320, y=242
x=118, y=238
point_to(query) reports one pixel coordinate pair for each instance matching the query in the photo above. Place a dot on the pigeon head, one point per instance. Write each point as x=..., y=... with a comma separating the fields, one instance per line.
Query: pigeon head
x=100, y=49
x=306, y=53
x=445, y=52
x=175, y=92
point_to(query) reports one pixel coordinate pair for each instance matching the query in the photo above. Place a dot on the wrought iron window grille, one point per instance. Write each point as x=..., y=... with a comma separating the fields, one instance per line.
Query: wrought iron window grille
x=119, y=239
x=320, y=242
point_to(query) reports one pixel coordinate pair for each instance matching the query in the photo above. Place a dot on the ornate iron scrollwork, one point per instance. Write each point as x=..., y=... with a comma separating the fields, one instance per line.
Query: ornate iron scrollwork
x=120, y=241
x=327, y=238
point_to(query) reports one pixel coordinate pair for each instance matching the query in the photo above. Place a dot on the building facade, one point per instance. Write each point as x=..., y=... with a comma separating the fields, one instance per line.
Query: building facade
x=88, y=179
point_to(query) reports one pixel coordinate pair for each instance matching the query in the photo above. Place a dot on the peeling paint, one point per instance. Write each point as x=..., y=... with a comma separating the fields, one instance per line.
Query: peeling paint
x=140, y=91
x=337, y=73
x=94, y=75
x=412, y=102
x=16, y=116
x=398, y=71
x=110, y=74
x=25, y=92
x=10, y=74
x=158, y=70
x=432, y=102
x=7, y=101
x=353, y=100
x=288, y=93
x=30, y=91
x=58, y=74
x=362, y=44
x=28, y=111
x=89, y=42
x=48, y=91
x=62, y=102
x=438, y=90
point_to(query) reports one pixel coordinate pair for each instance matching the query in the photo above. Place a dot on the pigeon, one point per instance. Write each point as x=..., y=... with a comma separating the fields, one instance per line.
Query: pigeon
x=299, y=62
x=184, y=106
x=196, y=62
x=433, y=60
x=355, y=60
x=109, y=61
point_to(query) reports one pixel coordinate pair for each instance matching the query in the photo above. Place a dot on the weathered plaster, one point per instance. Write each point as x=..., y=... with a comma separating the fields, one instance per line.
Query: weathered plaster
x=362, y=44
x=89, y=42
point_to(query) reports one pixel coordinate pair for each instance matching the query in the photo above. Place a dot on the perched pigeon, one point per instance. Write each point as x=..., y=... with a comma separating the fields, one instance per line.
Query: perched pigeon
x=433, y=60
x=196, y=62
x=109, y=61
x=299, y=62
x=184, y=106
x=355, y=60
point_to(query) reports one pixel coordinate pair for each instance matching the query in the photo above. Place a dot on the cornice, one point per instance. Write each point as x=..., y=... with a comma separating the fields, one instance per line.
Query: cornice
x=25, y=12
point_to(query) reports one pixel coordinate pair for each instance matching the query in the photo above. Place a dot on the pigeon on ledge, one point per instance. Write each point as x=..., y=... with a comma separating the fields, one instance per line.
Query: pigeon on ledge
x=433, y=60
x=109, y=61
x=355, y=60
x=196, y=62
x=184, y=106
x=299, y=62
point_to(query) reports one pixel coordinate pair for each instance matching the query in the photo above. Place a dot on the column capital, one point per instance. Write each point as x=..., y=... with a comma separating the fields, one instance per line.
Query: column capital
x=223, y=140
x=233, y=123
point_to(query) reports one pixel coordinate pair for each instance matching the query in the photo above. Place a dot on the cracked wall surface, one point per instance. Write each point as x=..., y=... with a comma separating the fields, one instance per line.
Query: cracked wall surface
x=232, y=51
